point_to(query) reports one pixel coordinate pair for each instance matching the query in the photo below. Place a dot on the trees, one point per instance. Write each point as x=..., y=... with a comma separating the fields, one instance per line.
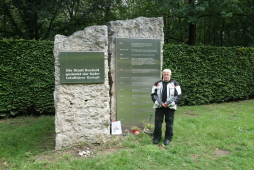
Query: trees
x=193, y=22
x=28, y=19
x=209, y=22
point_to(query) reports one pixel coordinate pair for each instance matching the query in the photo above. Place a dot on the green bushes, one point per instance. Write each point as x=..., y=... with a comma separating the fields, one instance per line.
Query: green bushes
x=26, y=77
x=206, y=74
x=211, y=74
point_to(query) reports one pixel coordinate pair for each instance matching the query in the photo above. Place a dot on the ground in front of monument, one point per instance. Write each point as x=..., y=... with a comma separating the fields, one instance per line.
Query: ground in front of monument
x=216, y=136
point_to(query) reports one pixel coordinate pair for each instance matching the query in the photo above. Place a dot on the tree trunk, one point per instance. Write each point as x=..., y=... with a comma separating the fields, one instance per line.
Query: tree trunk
x=192, y=27
x=192, y=34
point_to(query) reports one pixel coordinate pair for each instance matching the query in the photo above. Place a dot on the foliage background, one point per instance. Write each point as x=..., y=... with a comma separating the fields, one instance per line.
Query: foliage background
x=193, y=22
x=211, y=74
x=26, y=77
x=206, y=74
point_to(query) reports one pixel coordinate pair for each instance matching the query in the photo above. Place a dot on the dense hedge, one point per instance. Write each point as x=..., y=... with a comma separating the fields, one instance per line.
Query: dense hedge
x=211, y=74
x=206, y=74
x=26, y=77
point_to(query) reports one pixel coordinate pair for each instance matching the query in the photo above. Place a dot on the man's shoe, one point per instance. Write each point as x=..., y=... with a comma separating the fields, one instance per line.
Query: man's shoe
x=166, y=142
x=156, y=140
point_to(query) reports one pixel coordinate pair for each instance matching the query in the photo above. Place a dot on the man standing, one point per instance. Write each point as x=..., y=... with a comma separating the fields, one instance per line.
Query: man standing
x=165, y=95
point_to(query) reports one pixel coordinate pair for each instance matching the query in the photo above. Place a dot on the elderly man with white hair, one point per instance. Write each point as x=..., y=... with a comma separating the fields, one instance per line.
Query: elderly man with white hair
x=166, y=94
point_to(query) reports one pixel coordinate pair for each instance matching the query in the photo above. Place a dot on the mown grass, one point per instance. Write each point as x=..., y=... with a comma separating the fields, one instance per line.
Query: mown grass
x=216, y=136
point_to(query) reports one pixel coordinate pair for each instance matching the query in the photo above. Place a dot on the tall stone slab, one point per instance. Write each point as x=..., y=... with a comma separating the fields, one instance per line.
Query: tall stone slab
x=82, y=111
x=136, y=28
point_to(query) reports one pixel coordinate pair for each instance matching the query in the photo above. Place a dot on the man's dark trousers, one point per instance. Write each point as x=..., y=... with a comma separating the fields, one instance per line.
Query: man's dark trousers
x=169, y=119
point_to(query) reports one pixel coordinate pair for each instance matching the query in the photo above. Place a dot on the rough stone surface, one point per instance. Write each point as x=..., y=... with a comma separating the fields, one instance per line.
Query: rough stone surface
x=136, y=28
x=82, y=110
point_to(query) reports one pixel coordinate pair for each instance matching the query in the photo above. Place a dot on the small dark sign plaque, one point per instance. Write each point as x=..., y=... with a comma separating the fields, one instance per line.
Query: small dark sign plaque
x=81, y=67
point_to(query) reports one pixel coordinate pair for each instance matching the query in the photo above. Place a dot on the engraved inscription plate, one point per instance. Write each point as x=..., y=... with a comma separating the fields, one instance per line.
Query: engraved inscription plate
x=137, y=68
x=82, y=67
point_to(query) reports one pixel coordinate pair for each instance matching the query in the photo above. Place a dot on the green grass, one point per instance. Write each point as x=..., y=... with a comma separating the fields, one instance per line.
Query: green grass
x=216, y=136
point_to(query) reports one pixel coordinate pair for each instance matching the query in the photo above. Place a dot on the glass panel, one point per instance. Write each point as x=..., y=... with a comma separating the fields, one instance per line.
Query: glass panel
x=137, y=69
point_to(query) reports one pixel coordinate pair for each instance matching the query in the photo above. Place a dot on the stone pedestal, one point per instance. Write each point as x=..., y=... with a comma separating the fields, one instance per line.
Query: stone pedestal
x=82, y=110
x=136, y=28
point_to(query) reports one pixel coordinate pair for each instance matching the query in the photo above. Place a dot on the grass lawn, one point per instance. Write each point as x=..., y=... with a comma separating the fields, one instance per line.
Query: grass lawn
x=215, y=136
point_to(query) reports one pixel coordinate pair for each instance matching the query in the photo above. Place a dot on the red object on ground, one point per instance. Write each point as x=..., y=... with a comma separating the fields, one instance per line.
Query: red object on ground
x=135, y=131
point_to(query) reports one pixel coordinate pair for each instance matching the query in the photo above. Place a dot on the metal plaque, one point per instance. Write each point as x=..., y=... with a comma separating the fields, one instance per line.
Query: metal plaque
x=137, y=69
x=82, y=67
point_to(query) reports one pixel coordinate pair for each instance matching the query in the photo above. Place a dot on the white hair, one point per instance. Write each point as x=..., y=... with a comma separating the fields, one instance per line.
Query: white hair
x=166, y=70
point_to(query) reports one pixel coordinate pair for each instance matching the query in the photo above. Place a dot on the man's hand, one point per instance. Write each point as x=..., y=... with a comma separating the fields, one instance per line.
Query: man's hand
x=164, y=104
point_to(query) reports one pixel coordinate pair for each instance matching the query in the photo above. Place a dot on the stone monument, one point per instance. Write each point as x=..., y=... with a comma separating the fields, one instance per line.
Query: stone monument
x=83, y=111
